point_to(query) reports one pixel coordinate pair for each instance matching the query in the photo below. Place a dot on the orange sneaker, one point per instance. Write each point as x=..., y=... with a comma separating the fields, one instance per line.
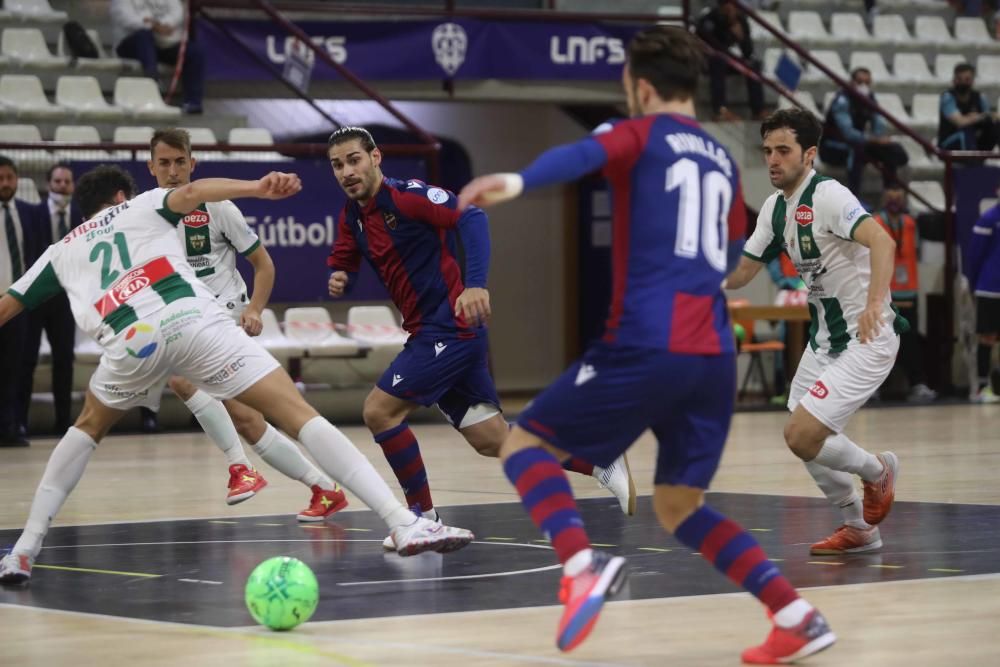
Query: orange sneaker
x=848, y=540
x=880, y=493
x=323, y=503
x=584, y=595
x=244, y=483
x=786, y=645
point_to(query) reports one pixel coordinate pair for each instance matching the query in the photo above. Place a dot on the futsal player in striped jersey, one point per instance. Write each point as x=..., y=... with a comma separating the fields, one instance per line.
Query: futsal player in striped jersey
x=667, y=360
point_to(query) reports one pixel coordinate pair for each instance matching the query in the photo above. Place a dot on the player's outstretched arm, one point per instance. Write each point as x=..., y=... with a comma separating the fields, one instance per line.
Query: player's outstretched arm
x=743, y=273
x=883, y=260
x=9, y=308
x=263, y=284
x=276, y=185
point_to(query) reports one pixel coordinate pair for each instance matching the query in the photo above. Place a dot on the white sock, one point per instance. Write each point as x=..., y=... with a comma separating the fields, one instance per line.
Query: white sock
x=218, y=426
x=431, y=514
x=578, y=562
x=341, y=460
x=839, y=489
x=285, y=457
x=62, y=472
x=839, y=453
x=792, y=613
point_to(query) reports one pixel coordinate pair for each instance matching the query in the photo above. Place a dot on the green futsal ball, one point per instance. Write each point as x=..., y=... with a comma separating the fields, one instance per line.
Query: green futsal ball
x=740, y=333
x=282, y=592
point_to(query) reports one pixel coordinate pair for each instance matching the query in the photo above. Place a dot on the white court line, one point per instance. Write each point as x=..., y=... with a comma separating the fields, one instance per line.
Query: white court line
x=269, y=541
x=509, y=573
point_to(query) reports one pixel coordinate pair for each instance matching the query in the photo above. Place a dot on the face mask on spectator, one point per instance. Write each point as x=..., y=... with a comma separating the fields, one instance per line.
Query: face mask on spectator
x=863, y=89
x=59, y=200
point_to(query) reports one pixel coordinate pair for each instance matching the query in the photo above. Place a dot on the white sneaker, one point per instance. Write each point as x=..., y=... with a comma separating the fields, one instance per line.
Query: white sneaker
x=15, y=568
x=426, y=535
x=986, y=395
x=390, y=545
x=617, y=478
x=921, y=393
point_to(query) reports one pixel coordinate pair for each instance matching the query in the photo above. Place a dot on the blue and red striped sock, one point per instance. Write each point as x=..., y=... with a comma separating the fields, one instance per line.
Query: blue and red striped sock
x=401, y=450
x=546, y=495
x=574, y=464
x=724, y=544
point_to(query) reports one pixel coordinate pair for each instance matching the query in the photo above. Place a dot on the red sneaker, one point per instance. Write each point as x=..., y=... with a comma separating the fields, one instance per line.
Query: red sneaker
x=880, y=493
x=323, y=503
x=786, y=645
x=848, y=540
x=584, y=595
x=244, y=483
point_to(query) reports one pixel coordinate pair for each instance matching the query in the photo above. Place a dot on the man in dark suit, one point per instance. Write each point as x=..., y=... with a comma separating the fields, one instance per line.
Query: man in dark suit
x=53, y=219
x=17, y=243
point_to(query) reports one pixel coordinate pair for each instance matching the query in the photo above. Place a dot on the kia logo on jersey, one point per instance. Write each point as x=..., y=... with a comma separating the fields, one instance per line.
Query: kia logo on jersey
x=196, y=219
x=130, y=286
x=819, y=390
x=803, y=215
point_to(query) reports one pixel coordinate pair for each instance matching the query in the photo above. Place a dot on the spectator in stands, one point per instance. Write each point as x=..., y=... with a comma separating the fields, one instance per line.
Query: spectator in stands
x=725, y=28
x=854, y=135
x=53, y=219
x=965, y=122
x=905, y=288
x=982, y=266
x=151, y=31
x=17, y=243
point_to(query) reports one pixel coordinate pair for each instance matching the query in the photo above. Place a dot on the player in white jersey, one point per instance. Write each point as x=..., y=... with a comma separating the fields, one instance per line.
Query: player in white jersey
x=211, y=236
x=131, y=289
x=846, y=260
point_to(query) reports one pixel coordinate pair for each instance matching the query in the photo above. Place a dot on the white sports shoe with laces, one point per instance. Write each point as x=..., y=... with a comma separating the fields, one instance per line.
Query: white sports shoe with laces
x=15, y=568
x=617, y=478
x=426, y=535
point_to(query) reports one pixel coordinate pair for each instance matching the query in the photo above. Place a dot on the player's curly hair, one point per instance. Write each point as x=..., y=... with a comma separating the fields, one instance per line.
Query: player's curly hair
x=806, y=126
x=97, y=188
x=670, y=59
x=350, y=133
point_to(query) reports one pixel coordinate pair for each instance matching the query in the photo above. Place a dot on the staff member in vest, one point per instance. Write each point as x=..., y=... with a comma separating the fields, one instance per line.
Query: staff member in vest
x=965, y=122
x=905, y=287
x=53, y=219
x=17, y=241
x=854, y=135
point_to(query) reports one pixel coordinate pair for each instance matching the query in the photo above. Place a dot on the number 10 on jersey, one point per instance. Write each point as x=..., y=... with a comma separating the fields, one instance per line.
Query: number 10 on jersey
x=702, y=216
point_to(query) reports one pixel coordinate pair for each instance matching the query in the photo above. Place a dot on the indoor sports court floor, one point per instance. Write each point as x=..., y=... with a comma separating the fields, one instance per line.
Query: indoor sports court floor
x=146, y=563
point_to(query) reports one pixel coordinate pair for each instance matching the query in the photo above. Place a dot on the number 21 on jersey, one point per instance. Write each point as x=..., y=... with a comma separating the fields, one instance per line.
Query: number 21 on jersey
x=105, y=253
x=703, y=212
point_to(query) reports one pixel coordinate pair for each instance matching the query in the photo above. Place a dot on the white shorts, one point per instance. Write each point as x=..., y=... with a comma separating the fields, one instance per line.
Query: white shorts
x=234, y=306
x=833, y=387
x=191, y=337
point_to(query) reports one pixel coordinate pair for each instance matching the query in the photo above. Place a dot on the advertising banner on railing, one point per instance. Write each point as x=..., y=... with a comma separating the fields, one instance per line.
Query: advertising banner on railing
x=420, y=50
x=299, y=231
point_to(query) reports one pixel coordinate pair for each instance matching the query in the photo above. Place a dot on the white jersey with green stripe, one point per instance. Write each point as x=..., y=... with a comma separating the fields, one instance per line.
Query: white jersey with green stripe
x=212, y=235
x=815, y=228
x=123, y=264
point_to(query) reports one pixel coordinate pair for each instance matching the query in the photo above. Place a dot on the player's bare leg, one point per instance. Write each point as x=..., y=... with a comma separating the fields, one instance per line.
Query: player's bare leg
x=276, y=397
x=589, y=577
x=799, y=629
x=62, y=472
x=833, y=459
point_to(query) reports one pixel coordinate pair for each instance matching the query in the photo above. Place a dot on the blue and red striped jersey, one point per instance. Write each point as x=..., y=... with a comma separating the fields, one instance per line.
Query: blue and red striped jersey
x=407, y=232
x=677, y=201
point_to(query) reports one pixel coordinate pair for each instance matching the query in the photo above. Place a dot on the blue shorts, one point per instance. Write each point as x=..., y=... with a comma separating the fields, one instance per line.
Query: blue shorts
x=607, y=399
x=450, y=370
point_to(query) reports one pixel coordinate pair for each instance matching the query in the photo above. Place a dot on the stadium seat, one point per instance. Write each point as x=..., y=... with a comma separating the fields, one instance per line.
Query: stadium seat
x=932, y=191
x=932, y=30
x=944, y=66
x=80, y=134
x=758, y=34
x=37, y=10
x=805, y=99
x=988, y=70
x=24, y=134
x=103, y=61
x=832, y=61
x=27, y=47
x=205, y=136
x=911, y=68
x=254, y=136
x=972, y=30
x=313, y=329
x=890, y=29
x=132, y=135
x=872, y=60
x=83, y=96
x=27, y=190
x=23, y=93
x=893, y=104
x=141, y=97
x=926, y=109
x=807, y=27
x=916, y=153
x=849, y=28
x=274, y=340
x=375, y=326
